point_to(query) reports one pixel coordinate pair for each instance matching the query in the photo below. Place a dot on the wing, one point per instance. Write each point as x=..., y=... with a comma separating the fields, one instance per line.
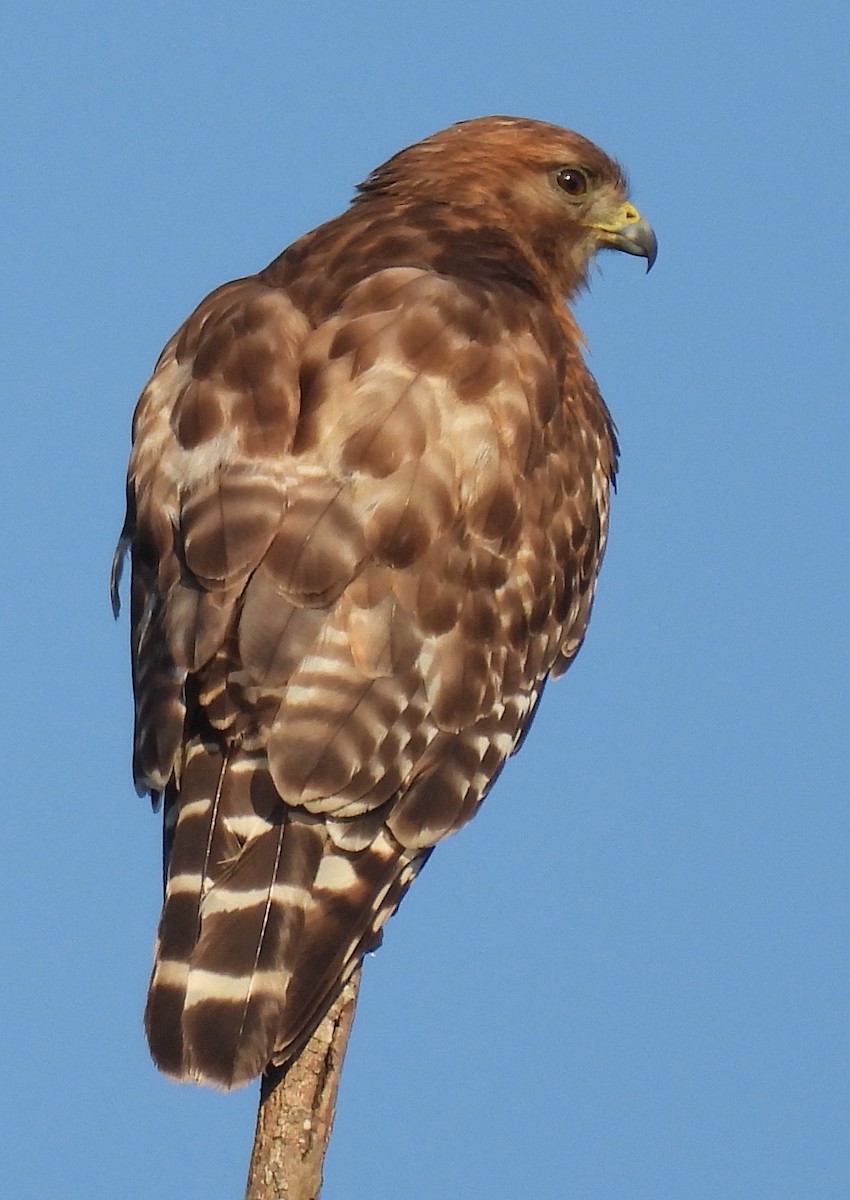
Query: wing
x=358, y=550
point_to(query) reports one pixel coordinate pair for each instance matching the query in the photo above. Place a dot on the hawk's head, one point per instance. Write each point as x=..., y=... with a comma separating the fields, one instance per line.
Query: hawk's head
x=552, y=190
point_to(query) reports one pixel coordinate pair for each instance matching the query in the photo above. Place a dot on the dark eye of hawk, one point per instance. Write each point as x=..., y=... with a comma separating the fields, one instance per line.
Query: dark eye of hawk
x=572, y=181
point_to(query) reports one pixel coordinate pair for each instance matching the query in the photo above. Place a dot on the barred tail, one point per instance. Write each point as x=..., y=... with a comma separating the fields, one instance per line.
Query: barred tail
x=267, y=912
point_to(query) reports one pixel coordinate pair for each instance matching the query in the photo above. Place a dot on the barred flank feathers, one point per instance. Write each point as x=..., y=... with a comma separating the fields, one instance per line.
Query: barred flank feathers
x=264, y=918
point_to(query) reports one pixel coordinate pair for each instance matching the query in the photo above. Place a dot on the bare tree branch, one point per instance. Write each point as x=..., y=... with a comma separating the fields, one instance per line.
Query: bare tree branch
x=297, y=1108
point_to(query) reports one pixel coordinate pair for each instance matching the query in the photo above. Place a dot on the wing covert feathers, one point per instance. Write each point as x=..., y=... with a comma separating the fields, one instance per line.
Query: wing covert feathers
x=368, y=502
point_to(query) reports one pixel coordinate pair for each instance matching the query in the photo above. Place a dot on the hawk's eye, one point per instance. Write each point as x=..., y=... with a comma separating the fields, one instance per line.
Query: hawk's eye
x=572, y=181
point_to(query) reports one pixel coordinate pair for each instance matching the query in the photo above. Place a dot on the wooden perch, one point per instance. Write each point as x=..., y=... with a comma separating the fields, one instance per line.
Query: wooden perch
x=297, y=1108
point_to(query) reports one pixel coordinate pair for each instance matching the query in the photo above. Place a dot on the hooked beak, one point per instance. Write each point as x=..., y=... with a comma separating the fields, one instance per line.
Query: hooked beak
x=628, y=231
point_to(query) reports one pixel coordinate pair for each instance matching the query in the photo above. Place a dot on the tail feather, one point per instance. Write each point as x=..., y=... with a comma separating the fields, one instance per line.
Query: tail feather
x=265, y=917
x=308, y=1002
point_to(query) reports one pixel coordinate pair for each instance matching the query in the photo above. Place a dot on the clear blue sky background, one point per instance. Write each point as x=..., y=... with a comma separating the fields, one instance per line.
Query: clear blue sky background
x=628, y=979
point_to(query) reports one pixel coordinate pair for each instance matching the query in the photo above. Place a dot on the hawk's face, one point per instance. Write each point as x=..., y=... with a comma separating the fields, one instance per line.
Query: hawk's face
x=600, y=216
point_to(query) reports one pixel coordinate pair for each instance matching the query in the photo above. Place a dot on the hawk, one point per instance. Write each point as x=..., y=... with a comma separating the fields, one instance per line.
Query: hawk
x=367, y=502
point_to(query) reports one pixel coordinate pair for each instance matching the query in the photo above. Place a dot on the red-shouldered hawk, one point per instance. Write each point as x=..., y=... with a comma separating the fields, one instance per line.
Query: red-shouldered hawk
x=367, y=502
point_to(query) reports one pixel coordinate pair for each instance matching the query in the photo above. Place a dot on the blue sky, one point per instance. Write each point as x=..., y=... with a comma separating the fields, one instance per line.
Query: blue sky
x=628, y=979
